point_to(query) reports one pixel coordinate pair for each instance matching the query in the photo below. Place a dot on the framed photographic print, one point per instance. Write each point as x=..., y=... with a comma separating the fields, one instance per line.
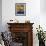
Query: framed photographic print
x=20, y=9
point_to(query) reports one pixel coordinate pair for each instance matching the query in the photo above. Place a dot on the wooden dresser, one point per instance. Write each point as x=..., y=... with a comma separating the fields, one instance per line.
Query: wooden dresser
x=22, y=33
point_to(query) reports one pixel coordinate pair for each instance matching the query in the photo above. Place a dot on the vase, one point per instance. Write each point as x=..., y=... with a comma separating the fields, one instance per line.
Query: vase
x=41, y=43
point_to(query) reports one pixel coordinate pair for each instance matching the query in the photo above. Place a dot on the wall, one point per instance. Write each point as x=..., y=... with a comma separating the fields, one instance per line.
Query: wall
x=0, y=15
x=34, y=13
x=43, y=14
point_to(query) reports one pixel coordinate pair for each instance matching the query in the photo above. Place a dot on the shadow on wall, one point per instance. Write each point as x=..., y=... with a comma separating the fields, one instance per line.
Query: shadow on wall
x=0, y=15
x=43, y=6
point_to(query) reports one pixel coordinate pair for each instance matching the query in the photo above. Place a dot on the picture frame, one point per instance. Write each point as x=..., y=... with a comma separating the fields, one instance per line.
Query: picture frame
x=20, y=9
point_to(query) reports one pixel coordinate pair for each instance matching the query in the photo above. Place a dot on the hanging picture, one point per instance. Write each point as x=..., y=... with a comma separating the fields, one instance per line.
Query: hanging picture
x=20, y=9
